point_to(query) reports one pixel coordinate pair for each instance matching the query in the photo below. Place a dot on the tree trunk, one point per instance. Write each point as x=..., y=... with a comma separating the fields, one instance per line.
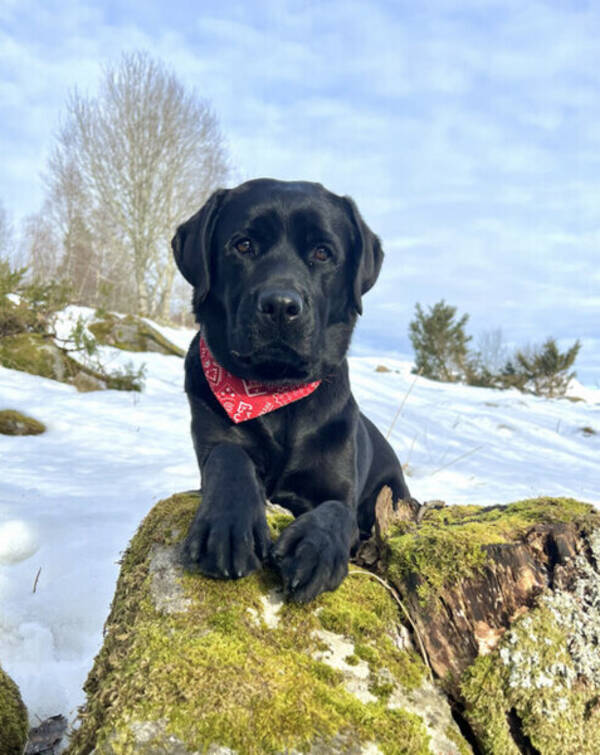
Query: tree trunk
x=142, y=304
x=163, y=310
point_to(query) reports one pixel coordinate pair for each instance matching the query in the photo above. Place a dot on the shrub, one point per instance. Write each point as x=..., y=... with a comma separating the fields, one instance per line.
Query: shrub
x=541, y=370
x=27, y=315
x=440, y=343
x=441, y=353
x=32, y=305
x=545, y=369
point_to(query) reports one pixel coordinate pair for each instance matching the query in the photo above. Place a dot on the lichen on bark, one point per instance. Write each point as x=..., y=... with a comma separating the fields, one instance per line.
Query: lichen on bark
x=543, y=679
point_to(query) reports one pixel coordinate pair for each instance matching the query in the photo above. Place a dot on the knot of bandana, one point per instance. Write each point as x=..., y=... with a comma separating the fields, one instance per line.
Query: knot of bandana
x=247, y=399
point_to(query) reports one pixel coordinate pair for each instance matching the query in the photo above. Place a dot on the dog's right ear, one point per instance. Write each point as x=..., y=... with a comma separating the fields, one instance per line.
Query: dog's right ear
x=368, y=256
x=192, y=241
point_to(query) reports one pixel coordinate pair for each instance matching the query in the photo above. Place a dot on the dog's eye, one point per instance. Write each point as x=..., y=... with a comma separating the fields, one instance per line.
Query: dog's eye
x=244, y=246
x=321, y=254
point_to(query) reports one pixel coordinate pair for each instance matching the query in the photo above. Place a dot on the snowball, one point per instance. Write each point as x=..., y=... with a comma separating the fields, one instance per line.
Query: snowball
x=18, y=541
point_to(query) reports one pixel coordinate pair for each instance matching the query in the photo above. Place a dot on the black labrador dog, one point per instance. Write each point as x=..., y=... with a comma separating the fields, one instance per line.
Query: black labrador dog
x=278, y=270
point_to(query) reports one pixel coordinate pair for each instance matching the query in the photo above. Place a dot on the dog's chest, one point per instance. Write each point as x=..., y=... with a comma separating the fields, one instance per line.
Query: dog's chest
x=308, y=461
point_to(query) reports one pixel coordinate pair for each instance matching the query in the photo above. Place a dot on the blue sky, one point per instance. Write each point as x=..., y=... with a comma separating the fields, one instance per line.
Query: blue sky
x=467, y=132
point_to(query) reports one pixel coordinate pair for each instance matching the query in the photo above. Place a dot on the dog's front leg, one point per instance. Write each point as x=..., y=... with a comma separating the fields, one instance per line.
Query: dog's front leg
x=312, y=552
x=229, y=537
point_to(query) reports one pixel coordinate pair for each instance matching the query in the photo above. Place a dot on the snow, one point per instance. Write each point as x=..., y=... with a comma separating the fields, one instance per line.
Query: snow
x=71, y=498
x=18, y=541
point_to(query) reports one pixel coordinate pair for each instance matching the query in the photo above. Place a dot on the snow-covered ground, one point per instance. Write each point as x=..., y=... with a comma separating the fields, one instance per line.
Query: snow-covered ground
x=70, y=499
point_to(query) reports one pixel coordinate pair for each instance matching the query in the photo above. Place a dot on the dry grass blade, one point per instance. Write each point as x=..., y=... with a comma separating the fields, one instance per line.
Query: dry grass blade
x=458, y=458
x=37, y=576
x=406, y=395
x=398, y=600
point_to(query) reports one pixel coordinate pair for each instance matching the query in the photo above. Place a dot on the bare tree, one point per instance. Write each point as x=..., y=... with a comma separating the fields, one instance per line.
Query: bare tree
x=40, y=247
x=492, y=351
x=129, y=165
x=6, y=233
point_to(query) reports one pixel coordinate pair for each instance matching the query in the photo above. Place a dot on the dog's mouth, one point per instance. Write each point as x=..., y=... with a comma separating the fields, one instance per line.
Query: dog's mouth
x=276, y=363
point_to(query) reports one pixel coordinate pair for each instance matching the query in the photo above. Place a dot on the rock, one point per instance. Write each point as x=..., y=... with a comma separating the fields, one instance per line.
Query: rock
x=39, y=355
x=15, y=423
x=131, y=333
x=13, y=717
x=46, y=737
x=506, y=603
x=86, y=383
x=194, y=665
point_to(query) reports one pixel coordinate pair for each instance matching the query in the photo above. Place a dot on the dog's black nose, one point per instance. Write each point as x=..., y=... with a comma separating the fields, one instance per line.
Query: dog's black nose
x=280, y=304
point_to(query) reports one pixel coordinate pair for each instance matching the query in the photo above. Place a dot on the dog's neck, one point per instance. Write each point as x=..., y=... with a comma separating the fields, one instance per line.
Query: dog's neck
x=244, y=399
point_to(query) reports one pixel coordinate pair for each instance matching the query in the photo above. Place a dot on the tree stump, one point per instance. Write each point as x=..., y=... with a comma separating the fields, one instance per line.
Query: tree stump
x=505, y=601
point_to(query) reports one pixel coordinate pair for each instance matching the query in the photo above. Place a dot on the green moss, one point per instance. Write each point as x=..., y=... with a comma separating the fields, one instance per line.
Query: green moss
x=278, y=521
x=456, y=738
x=369, y=619
x=36, y=354
x=368, y=653
x=483, y=689
x=13, y=717
x=15, y=423
x=220, y=673
x=450, y=543
x=382, y=684
x=530, y=679
x=131, y=334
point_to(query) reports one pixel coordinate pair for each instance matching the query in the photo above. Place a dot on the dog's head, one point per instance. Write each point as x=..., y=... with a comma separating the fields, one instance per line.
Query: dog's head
x=278, y=270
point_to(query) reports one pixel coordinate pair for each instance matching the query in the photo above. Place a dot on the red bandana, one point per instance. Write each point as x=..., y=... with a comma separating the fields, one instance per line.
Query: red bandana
x=247, y=399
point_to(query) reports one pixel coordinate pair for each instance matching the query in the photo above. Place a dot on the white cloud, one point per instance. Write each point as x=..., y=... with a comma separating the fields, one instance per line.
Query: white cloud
x=466, y=132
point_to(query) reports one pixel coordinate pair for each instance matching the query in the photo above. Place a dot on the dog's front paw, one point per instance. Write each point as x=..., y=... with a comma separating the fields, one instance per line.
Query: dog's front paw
x=227, y=543
x=312, y=553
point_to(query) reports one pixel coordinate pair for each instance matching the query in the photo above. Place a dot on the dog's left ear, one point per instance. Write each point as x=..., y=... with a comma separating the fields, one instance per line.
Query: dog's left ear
x=192, y=241
x=368, y=256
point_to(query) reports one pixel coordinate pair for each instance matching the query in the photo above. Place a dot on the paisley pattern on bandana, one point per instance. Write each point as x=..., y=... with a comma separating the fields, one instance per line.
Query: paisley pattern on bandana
x=247, y=399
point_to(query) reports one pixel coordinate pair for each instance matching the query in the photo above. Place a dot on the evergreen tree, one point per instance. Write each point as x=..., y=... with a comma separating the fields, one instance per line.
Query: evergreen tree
x=440, y=342
x=511, y=377
x=545, y=369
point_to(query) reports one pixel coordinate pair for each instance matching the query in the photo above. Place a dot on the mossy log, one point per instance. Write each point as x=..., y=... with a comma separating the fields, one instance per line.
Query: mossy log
x=131, y=333
x=13, y=422
x=194, y=665
x=506, y=604
x=13, y=717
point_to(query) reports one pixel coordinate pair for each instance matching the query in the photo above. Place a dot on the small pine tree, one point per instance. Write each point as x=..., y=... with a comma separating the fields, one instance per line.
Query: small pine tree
x=545, y=369
x=10, y=278
x=440, y=343
x=511, y=377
